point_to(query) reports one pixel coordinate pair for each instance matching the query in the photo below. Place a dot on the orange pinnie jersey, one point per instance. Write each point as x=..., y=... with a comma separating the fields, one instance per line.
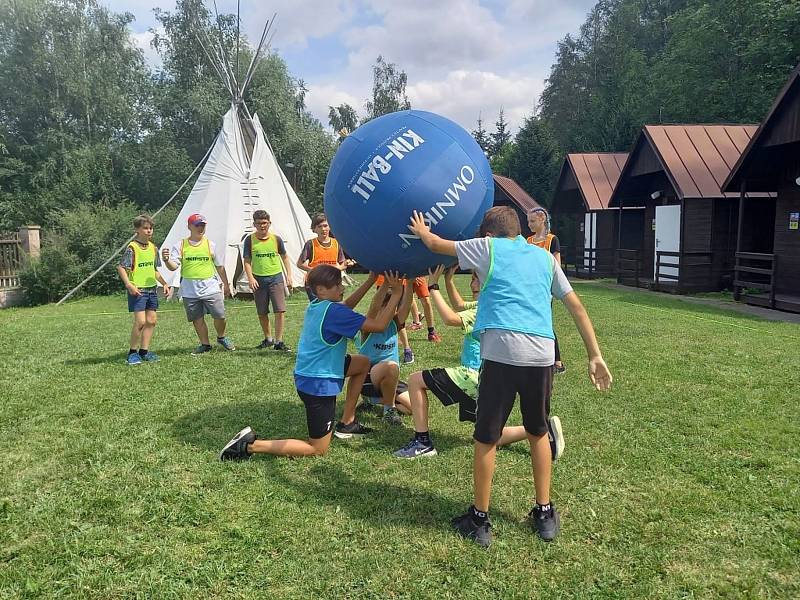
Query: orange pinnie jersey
x=545, y=243
x=320, y=255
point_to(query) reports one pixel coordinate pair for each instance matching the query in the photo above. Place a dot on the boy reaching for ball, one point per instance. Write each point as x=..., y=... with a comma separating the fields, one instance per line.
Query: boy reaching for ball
x=458, y=385
x=515, y=325
x=323, y=364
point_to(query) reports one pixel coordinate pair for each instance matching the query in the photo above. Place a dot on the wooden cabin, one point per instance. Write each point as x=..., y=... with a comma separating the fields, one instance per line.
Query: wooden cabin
x=508, y=192
x=675, y=174
x=586, y=227
x=768, y=253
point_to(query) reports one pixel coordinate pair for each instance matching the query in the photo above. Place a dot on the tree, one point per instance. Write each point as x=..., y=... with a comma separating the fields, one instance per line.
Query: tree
x=501, y=136
x=482, y=137
x=535, y=159
x=388, y=90
x=342, y=117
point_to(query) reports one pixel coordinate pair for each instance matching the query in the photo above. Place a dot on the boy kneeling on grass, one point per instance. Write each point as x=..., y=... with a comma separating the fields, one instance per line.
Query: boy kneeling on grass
x=515, y=325
x=323, y=364
x=458, y=385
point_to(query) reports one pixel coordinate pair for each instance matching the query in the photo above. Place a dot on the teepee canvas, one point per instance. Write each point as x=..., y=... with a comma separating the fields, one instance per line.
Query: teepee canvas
x=238, y=179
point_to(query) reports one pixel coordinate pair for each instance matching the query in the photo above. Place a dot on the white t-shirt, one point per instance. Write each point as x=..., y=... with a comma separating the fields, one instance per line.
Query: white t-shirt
x=198, y=288
x=502, y=345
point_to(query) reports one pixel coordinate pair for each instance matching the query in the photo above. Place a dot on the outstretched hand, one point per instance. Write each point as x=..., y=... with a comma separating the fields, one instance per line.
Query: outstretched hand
x=599, y=374
x=393, y=280
x=434, y=274
x=418, y=225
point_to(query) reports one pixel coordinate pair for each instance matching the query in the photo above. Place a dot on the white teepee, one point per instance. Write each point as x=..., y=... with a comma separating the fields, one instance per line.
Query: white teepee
x=239, y=177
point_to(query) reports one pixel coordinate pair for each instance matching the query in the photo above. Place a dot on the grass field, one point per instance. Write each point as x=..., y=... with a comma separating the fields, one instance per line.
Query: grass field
x=684, y=481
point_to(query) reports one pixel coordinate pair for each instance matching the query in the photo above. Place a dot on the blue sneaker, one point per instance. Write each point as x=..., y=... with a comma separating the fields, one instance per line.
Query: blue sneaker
x=134, y=359
x=415, y=449
x=226, y=343
x=150, y=357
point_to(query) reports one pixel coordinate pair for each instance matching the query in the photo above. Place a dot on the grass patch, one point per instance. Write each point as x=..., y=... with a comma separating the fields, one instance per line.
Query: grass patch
x=681, y=482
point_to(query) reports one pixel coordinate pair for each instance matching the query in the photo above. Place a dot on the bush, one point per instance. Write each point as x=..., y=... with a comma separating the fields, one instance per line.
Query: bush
x=83, y=238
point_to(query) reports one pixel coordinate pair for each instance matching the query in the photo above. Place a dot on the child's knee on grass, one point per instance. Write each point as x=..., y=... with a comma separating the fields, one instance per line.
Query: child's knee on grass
x=321, y=445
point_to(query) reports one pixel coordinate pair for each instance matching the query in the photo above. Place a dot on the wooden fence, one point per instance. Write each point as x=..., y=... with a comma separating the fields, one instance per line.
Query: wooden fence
x=11, y=260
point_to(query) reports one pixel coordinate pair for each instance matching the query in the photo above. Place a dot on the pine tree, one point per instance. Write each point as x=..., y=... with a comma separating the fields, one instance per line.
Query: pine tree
x=501, y=136
x=535, y=159
x=482, y=137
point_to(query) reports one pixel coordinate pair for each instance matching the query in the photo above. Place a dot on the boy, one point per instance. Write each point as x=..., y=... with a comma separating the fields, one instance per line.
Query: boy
x=265, y=261
x=203, y=280
x=382, y=351
x=421, y=291
x=322, y=365
x=324, y=250
x=514, y=322
x=458, y=385
x=137, y=270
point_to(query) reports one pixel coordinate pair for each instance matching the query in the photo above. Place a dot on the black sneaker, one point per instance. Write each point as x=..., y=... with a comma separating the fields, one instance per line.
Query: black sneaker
x=366, y=406
x=265, y=344
x=466, y=526
x=556, y=437
x=281, y=347
x=354, y=429
x=236, y=449
x=547, y=524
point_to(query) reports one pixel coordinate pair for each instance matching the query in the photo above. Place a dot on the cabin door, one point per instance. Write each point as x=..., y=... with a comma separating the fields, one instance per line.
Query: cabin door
x=589, y=238
x=668, y=239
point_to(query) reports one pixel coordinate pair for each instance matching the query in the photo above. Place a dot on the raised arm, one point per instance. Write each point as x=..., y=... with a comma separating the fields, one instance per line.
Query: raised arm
x=381, y=321
x=353, y=299
x=405, y=302
x=456, y=301
x=432, y=241
x=598, y=370
x=377, y=299
x=448, y=315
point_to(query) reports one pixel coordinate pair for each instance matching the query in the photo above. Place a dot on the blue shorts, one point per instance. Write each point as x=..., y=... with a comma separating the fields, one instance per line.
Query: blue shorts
x=147, y=301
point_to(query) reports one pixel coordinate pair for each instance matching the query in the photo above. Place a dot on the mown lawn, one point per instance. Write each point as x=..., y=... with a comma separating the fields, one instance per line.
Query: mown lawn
x=684, y=481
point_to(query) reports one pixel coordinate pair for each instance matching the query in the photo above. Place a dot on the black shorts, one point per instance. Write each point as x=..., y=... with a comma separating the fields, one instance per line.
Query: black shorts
x=497, y=391
x=321, y=410
x=370, y=391
x=442, y=386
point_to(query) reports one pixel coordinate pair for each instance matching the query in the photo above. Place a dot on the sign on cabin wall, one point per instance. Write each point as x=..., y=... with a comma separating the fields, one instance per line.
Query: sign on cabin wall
x=794, y=220
x=654, y=224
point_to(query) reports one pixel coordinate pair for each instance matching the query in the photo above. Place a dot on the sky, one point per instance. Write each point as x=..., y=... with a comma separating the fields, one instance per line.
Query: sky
x=463, y=58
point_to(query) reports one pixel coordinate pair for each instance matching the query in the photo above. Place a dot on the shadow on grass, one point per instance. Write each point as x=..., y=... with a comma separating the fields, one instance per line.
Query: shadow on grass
x=379, y=502
x=210, y=428
x=246, y=353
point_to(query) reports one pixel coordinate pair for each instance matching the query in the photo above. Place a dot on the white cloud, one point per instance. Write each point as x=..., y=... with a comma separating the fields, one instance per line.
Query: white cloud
x=320, y=97
x=142, y=41
x=462, y=95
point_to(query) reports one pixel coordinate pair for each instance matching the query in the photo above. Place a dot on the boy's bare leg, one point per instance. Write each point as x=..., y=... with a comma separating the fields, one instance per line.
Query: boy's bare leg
x=385, y=376
x=356, y=374
x=541, y=460
x=415, y=311
x=419, y=401
x=265, y=328
x=292, y=447
x=202, y=330
x=219, y=325
x=426, y=306
x=139, y=321
x=403, y=403
x=280, y=320
x=513, y=434
x=402, y=335
x=482, y=473
x=147, y=330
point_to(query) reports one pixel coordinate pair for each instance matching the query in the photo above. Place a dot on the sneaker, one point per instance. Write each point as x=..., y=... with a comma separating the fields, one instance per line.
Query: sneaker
x=134, y=359
x=391, y=416
x=434, y=337
x=558, y=369
x=236, y=449
x=226, y=343
x=415, y=449
x=547, y=524
x=408, y=356
x=467, y=527
x=150, y=357
x=415, y=326
x=280, y=346
x=352, y=430
x=201, y=349
x=265, y=344
x=556, y=437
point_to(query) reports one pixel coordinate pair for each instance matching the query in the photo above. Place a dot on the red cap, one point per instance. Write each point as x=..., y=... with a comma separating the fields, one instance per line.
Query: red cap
x=196, y=219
